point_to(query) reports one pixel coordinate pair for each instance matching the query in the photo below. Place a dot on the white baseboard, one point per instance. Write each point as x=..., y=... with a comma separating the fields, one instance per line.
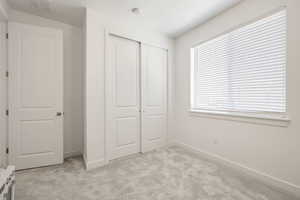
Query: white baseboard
x=283, y=185
x=72, y=154
x=89, y=165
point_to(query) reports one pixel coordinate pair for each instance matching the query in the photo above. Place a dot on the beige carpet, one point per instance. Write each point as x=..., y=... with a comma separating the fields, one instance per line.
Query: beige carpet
x=166, y=174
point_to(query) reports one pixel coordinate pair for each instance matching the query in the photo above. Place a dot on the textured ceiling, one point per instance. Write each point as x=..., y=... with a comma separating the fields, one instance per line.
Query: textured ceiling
x=66, y=11
x=171, y=17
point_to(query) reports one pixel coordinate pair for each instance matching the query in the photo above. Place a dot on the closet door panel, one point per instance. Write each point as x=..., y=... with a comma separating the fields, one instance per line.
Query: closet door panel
x=123, y=130
x=154, y=97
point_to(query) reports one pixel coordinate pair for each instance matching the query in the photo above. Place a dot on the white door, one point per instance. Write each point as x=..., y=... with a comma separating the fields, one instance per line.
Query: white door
x=154, y=97
x=3, y=93
x=123, y=97
x=35, y=96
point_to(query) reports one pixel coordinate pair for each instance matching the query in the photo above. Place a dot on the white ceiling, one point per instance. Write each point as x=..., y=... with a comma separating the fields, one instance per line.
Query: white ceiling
x=171, y=17
x=66, y=11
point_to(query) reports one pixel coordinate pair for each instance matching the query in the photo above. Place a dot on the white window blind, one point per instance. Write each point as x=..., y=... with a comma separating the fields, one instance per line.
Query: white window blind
x=244, y=70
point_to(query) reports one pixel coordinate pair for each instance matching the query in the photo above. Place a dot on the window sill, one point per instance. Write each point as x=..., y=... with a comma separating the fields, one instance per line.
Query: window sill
x=282, y=121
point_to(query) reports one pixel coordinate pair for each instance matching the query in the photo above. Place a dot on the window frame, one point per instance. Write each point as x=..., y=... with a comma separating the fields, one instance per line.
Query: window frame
x=268, y=118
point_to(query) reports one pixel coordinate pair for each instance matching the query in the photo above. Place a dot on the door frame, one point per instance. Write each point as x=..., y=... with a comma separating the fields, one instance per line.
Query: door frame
x=107, y=34
x=4, y=135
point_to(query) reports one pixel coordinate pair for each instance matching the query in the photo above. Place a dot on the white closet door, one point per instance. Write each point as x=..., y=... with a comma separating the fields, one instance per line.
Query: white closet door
x=154, y=97
x=123, y=100
x=35, y=96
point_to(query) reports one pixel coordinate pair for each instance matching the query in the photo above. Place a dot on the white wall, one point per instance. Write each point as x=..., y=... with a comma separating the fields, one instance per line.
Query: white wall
x=73, y=62
x=3, y=9
x=94, y=77
x=3, y=82
x=271, y=150
x=94, y=91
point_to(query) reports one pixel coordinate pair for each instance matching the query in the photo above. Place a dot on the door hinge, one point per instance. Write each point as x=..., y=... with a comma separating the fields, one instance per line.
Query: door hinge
x=7, y=151
x=6, y=35
x=7, y=74
x=7, y=112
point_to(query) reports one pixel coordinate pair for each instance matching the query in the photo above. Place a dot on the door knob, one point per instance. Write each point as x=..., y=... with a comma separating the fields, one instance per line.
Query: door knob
x=59, y=114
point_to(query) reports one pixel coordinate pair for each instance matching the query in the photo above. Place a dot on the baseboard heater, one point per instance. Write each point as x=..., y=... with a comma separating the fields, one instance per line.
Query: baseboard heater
x=7, y=183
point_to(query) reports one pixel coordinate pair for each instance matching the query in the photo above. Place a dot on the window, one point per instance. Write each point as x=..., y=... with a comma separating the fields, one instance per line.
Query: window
x=243, y=71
